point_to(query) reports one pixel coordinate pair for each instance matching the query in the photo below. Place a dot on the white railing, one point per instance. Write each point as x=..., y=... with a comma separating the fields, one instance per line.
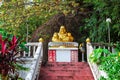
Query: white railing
x=94, y=67
x=33, y=60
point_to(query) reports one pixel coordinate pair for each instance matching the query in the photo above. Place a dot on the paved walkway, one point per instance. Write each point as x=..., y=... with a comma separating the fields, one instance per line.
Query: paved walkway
x=66, y=71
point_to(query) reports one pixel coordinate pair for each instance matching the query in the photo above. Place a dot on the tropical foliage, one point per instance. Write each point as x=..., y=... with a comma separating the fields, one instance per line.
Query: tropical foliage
x=108, y=62
x=10, y=48
x=96, y=23
x=22, y=17
x=97, y=55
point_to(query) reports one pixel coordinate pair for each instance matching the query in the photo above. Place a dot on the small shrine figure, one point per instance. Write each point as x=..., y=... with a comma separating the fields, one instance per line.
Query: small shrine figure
x=55, y=37
x=70, y=37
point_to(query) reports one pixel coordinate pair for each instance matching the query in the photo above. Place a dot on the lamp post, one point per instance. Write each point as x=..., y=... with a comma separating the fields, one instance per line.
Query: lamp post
x=108, y=20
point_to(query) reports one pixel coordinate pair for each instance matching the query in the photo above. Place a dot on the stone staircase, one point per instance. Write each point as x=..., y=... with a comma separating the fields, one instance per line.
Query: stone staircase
x=66, y=71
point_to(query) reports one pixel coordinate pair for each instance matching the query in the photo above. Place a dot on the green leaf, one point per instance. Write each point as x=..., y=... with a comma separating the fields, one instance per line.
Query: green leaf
x=22, y=46
x=20, y=67
x=106, y=51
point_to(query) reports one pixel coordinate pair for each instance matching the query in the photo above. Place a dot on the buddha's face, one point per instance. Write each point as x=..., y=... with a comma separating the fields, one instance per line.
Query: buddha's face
x=62, y=29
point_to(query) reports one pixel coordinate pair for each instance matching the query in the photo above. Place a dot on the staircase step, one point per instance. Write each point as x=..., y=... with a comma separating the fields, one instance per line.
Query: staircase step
x=66, y=71
x=67, y=78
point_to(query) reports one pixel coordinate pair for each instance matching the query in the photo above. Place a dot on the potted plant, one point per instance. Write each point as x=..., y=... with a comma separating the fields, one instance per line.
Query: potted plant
x=10, y=49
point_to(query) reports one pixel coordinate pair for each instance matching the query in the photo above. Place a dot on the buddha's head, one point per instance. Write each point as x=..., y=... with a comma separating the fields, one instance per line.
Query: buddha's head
x=55, y=35
x=62, y=29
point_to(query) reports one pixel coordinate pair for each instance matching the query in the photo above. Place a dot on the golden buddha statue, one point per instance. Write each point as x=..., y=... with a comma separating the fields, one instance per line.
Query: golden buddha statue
x=62, y=36
x=62, y=33
x=55, y=37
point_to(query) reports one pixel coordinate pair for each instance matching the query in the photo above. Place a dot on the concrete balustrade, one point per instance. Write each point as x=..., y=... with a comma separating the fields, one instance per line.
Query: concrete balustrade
x=33, y=60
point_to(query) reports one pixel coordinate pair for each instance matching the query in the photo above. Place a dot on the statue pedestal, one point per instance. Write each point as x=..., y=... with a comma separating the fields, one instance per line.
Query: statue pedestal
x=63, y=52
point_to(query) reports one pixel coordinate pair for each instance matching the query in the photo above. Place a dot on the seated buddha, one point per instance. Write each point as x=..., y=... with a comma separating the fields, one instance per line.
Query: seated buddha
x=62, y=36
x=55, y=37
x=70, y=37
x=62, y=33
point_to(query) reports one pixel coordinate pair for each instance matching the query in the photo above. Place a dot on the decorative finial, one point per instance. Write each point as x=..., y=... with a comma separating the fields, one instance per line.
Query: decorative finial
x=80, y=45
x=41, y=40
x=88, y=40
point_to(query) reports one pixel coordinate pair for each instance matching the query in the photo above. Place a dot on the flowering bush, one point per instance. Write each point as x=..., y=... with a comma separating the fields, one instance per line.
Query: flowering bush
x=10, y=49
